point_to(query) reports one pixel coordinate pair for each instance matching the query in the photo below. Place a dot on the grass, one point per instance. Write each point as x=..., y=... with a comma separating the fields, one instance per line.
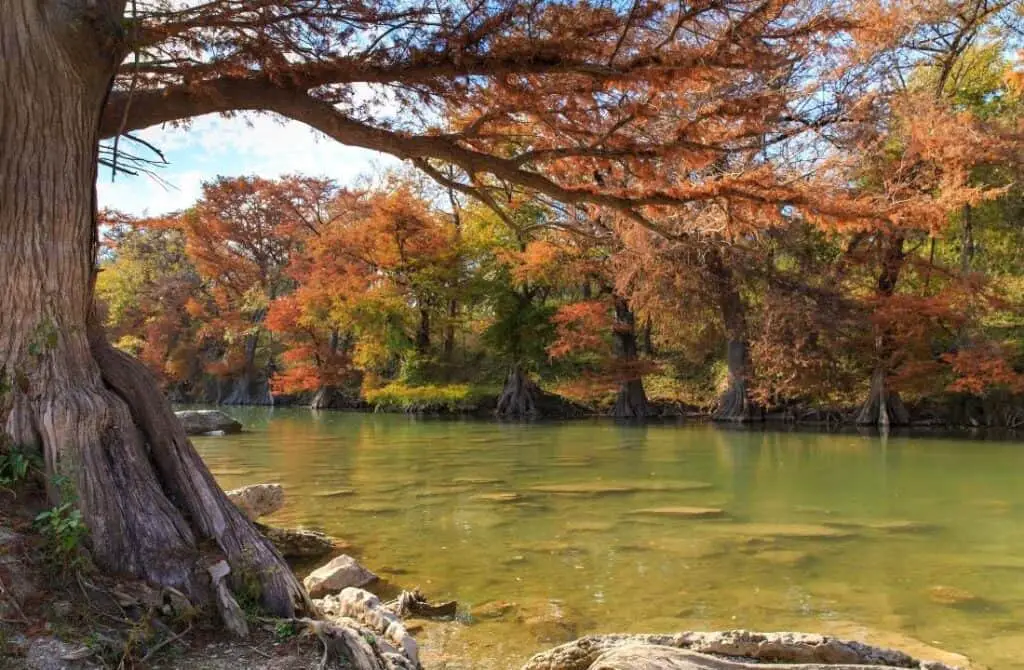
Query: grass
x=430, y=398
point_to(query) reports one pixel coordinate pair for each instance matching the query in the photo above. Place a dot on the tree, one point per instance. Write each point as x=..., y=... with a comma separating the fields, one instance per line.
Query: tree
x=549, y=93
x=241, y=235
x=148, y=289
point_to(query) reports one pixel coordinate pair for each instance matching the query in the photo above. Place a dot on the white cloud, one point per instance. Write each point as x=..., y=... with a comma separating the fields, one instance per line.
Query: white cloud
x=213, y=145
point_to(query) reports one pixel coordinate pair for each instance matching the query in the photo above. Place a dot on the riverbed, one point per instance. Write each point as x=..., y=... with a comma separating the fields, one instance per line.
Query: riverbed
x=545, y=531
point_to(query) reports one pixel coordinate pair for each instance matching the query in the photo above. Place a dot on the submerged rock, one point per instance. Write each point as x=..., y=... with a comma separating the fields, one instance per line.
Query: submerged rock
x=341, y=573
x=951, y=595
x=683, y=512
x=754, y=532
x=787, y=558
x=299, y=542
x=719, y=651
x=258, y=500
x=203, y=421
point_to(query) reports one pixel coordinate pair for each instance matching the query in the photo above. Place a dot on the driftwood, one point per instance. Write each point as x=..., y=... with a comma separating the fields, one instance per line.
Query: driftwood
x=414, y=603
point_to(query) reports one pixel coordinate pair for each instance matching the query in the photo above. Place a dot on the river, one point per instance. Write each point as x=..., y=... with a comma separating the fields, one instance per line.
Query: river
x=589, y=526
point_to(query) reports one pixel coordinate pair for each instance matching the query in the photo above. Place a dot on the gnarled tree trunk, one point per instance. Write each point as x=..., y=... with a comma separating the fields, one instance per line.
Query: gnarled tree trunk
x=252, y=387
x=97, y=415
x=734, y=404
x=631, y=402
x=518, y=399
x=883, y=406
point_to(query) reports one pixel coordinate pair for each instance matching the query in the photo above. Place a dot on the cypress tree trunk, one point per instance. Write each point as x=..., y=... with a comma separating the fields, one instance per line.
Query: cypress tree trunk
x=734, y=404
x=883, y=406
x=423, y=333
x=631, y=402
x=518, y=399
x=97, y=414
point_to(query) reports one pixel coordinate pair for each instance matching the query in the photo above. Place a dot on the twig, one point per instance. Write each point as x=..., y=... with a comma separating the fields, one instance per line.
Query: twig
x=166, y=642
x=261, y=652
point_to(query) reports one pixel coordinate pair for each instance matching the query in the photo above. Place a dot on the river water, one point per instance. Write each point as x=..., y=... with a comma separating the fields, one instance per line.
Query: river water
x=590, y=526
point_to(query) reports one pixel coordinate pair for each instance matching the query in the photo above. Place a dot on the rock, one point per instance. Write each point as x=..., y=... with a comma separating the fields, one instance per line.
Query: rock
x=650, y=657
x=952, y=596
x=549, y=621
x=258, y=500
x=366, y=608
x=491, y=610
x=784, y=557
x=793, y=531
x=584, y=526
x=585, y=488
x=683, y=512
x=203, y=421
x=299, y=542
x=335, y=493
x=633, y=652
x=498, y=497
x=596, y=488
x=887, y=526
x=341, y=573
x=49, y=653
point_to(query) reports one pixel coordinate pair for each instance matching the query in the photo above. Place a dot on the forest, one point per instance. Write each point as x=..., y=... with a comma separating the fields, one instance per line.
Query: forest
x=406, y=293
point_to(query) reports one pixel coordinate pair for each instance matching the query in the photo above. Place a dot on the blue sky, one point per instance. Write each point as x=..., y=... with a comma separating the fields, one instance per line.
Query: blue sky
x=214, y=145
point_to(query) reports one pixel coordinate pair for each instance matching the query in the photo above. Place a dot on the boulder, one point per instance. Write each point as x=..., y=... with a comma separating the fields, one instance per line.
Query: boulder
x=341, y=573
x=257, y=500
x=299, y=542
x=202, y=421
x=729, y=650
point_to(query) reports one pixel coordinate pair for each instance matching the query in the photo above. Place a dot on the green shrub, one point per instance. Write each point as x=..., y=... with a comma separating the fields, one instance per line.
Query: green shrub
x=65, y=532
x=17, y=465
x=453, y=398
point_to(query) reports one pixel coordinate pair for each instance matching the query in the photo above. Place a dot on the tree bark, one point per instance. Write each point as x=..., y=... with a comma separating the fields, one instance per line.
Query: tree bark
x=97, y=415
x=423, y=333
x=631, y=402
x=734, y=404
x=883, y=406
x=518, y=399
x=967, y=239
x=449, y=330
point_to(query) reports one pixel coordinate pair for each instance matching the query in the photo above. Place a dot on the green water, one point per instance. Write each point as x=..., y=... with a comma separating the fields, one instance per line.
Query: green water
x=896, y=540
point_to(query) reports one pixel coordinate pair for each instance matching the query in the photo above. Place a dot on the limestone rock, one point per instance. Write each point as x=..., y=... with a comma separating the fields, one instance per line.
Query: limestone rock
x=258, y=500
x=202, y=421
x=341, y=573
x=367, y=609
x=684, y=512
x=741, y=650
x=299, y=542
x=49, y=653
x=549, y=621
x=491, y=610
x=951, y=595
x=650, y=657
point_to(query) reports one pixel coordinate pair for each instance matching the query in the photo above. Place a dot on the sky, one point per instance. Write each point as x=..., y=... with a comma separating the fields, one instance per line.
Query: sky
x=213, y=145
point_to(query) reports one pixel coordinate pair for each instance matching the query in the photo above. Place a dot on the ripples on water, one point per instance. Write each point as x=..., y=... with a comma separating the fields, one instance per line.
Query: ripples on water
x=658, y=528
